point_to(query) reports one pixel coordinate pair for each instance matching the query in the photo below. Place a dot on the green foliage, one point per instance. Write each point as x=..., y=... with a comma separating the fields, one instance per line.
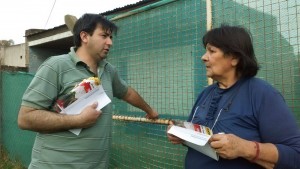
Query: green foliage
x=7, y=163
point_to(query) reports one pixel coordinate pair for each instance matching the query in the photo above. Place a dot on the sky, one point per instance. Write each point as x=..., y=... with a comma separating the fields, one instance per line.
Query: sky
x=17, y=16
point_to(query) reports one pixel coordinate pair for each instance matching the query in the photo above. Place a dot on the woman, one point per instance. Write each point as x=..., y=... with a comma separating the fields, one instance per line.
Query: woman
x=260, y=130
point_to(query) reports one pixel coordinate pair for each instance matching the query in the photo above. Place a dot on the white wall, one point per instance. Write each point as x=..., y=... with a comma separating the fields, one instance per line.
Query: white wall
x=13, y=55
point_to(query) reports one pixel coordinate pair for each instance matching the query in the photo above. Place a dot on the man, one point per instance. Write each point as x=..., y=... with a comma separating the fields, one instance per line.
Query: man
x=55, y=146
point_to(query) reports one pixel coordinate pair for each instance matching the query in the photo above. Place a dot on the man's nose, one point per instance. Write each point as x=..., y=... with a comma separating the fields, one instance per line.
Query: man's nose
x=109, y=41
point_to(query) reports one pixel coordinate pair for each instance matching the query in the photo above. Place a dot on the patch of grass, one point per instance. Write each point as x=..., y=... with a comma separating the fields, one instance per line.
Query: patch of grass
x=7, y=163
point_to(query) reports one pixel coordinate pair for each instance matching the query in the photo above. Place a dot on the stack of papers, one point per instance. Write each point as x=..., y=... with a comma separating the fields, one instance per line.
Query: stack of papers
x=86, y=93
x=195, y=136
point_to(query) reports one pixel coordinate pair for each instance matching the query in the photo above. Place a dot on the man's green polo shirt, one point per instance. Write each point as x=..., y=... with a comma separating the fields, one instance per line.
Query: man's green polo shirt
x=90, y=149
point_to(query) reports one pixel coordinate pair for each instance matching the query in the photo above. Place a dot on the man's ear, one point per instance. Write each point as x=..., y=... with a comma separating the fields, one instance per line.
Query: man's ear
x=84, y=36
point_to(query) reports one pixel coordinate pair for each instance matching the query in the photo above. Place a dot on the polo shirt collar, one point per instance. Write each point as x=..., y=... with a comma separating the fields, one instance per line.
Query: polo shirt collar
x=74, y=56
x=76, y=60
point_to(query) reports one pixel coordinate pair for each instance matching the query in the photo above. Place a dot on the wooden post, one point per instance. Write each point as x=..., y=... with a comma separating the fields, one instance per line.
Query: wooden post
x=142, y=119
x=209, y=27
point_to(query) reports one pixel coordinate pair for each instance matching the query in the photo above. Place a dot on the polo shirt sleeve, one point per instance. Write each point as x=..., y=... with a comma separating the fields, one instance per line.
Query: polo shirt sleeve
x=120, y=87
x=43, y=88
x=278, y=125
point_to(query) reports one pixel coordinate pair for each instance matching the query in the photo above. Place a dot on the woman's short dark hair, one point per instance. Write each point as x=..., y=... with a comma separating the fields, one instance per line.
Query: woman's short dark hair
x=235, y=41
x=88, y=23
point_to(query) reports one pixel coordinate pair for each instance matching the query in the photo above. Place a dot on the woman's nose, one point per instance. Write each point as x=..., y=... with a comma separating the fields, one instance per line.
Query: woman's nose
x=204, y=57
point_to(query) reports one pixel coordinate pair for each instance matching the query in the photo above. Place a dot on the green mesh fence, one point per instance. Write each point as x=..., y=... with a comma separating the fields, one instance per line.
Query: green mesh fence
x=158, y=52
x=275, y=27
x=17, y=142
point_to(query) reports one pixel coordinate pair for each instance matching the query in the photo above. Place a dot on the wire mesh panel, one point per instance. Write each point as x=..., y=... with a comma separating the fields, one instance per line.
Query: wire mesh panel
x=275, y=27
x=138, y=145
x=17, y=142
x=158, y=53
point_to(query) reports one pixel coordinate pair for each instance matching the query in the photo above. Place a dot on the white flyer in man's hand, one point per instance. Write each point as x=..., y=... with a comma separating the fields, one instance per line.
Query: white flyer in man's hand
x=86, y=93
x=96, y=95
x=195, y=136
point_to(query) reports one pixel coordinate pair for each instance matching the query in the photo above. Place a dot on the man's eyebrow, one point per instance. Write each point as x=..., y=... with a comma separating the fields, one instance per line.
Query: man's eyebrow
x=106, y=33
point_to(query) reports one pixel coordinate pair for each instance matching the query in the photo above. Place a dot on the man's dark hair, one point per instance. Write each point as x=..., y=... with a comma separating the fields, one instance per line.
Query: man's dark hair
x=88, y=23
x=235, y=41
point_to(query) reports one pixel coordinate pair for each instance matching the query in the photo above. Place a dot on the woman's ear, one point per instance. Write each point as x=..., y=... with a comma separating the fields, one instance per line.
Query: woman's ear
x=234, y=61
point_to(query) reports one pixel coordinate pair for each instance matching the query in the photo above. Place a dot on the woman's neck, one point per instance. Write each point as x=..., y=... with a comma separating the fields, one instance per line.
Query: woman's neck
x=228, y=82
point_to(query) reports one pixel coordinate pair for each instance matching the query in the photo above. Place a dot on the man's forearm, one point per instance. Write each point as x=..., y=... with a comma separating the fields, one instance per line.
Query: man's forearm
x=45, y=121
x=133, y=98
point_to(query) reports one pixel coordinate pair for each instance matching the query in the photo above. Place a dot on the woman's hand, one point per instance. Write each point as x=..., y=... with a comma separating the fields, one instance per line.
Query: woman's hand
x=229, y=146
x=173, y=139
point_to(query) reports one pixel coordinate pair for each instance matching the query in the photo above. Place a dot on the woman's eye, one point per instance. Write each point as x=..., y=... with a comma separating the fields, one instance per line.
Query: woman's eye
x=210, y=50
